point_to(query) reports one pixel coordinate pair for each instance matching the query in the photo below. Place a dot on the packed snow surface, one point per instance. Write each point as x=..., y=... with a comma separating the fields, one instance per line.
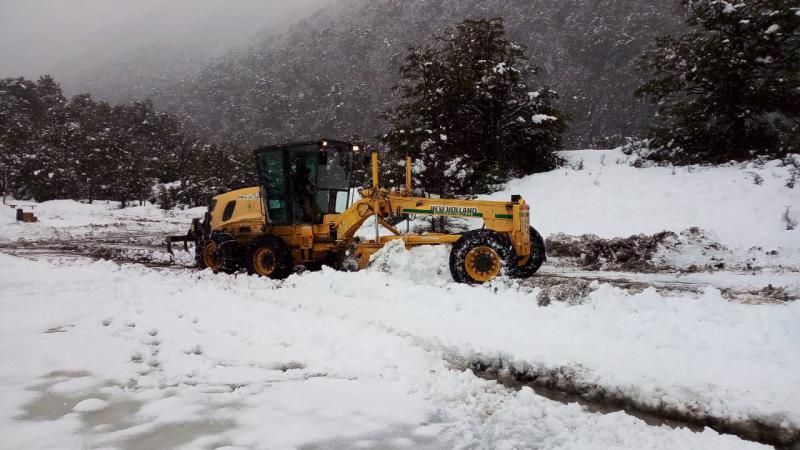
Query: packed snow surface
x=198, y=360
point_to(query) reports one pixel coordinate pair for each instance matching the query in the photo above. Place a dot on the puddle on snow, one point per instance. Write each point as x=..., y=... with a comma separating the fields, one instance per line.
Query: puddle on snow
x=53, y=405
x=114, y=417
x=119, y=414
x=175, y=434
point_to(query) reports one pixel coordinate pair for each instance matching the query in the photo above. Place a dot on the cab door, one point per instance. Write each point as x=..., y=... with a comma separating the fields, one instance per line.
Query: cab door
x=272, y=170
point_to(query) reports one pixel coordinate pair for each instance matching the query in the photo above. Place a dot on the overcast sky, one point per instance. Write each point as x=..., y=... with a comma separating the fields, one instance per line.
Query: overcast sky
x=48, y=36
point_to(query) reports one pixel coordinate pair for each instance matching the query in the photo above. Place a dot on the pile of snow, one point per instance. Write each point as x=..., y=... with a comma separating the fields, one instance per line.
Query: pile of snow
x=691, y=250
x=425, y=265
x=696, y=249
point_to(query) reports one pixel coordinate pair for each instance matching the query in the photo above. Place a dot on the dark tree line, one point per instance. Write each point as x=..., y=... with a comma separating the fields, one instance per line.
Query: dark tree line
x=52, y=147
x=471, y=107
x=729, y=89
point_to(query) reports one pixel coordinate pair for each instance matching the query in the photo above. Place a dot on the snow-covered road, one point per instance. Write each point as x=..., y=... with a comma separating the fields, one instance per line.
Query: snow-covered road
x=101, y=355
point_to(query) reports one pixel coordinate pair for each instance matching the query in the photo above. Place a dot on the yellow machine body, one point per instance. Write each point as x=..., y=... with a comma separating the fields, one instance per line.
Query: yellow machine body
x=241, y=214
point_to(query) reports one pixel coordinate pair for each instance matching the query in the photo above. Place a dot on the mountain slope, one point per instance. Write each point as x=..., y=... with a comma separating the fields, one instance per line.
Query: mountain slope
x=332, y=73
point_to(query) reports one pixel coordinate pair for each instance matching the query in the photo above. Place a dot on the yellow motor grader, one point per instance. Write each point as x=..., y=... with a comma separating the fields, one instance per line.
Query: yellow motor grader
x=302, y=213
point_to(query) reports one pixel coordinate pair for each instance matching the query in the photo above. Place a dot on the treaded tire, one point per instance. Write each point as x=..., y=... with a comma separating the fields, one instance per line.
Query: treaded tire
x=282, y=254
x=228, y=251
x=474, y=239
x=538, y=257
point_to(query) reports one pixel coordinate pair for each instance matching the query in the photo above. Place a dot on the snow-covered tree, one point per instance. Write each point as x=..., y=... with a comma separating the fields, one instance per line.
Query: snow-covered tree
x=468, y=113
x=331, y=74
x=31, y=126
x=730, y=87
x=52, y=148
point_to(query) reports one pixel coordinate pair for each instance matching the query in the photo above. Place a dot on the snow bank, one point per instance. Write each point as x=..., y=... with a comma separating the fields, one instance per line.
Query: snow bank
x=610, y=198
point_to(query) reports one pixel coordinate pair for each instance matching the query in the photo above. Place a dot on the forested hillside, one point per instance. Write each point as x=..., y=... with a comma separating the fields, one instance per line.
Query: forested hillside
x=52, y=147
x=332, y=73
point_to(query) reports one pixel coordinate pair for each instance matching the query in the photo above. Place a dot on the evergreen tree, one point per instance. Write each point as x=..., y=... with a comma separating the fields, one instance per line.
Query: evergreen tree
x=31, y=124
x=468, y=114
x=51, y=148
x=730, y=87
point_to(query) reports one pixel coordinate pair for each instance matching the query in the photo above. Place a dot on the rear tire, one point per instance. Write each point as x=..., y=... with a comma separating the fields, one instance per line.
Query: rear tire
x=269, y=256
x=480, y=256
x=536, y=259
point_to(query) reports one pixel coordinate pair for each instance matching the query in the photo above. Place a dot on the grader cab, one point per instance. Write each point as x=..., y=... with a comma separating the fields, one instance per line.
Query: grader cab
x=303, y=213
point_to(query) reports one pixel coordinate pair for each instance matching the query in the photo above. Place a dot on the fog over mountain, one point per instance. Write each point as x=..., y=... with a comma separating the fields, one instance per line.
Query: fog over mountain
x=254, y=71
x=332, y=73
x=109, y=46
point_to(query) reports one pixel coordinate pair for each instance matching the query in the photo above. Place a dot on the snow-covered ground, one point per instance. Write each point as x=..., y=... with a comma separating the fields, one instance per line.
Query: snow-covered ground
x=101, y=355
x=119, y=355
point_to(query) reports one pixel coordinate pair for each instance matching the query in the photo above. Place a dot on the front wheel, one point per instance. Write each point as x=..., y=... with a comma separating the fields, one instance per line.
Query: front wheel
x=269, y=256
x=479, y=256
x=532, y=263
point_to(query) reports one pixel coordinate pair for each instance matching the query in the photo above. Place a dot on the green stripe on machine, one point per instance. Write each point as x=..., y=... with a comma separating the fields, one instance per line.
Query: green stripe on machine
x=504, y=216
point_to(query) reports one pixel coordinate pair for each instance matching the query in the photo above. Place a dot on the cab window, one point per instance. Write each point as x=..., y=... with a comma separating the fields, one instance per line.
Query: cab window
x=273, y=183
x=228, y=213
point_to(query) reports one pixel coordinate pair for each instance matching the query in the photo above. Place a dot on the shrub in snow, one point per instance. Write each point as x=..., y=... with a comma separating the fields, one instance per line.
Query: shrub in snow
x=692, y=250
x=727, y=89
x=758, y=180
x=166, y=197
x=794, y=162
x=791, y=224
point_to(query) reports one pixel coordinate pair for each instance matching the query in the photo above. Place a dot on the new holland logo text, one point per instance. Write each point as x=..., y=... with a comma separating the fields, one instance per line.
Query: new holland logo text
x=454, y=211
